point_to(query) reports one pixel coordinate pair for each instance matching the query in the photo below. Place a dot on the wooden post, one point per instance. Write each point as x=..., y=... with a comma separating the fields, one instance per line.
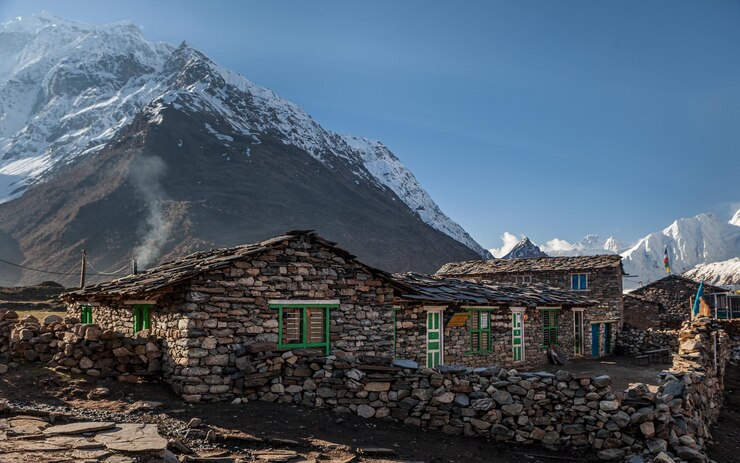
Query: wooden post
x=84, y=268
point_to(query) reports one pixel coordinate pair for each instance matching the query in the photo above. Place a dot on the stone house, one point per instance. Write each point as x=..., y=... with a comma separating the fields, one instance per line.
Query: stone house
x=477, y=324
x=209, y=310
x=641, y=313
x=674, y=294
x=596, y=277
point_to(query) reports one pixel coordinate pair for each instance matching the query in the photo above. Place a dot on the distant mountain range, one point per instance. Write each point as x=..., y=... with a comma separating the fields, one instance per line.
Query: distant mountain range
x=129, y=148
x=701, y=247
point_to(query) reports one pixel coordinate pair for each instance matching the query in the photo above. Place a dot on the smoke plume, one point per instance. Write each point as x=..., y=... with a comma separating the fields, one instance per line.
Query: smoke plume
x=145, y=175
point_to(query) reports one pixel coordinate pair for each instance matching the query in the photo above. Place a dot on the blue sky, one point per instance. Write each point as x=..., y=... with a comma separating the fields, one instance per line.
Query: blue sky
x=553, y=119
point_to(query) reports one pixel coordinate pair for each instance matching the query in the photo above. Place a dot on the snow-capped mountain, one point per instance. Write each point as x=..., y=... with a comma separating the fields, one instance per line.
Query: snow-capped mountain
x=691, y=241
x=590, y=245
x=525, y=248
x=724, y=273
x=72, y=94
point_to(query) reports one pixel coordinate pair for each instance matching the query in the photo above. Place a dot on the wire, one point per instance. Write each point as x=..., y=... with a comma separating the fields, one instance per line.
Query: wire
x=51, y=272
x=99, y=273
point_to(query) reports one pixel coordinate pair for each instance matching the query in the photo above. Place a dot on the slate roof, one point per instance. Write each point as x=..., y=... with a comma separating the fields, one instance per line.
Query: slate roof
x=428, y=288
x=166, y=275
x=680, y=280
x=522, y=265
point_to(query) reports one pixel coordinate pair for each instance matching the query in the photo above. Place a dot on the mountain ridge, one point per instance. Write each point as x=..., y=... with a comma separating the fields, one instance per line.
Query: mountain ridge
x=122, y=99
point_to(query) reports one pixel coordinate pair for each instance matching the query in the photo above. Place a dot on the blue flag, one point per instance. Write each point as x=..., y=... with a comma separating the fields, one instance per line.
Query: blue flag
x=699, y=294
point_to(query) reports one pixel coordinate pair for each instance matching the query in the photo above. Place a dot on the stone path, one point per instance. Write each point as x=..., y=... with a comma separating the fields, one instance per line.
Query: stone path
x=30, y=439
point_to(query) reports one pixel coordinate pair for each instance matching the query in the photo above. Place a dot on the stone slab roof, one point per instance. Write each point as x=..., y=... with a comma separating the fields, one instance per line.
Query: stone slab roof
x=169, y=274
x=433, y=288
x=523, y=265
x=674, y=280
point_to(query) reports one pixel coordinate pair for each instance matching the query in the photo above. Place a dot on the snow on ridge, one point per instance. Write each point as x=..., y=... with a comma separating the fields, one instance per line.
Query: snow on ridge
x=721, y=273
x=94, y=80
x=389, y=172
x=691, y=241
x=735, y=220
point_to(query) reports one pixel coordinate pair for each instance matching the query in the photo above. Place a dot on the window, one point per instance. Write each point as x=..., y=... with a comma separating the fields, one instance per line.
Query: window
x=86, y=315
x=303, y=325
x=523, y=279
x=550, y=327
x=141, y=318
x=579, y=281
x=480, y=330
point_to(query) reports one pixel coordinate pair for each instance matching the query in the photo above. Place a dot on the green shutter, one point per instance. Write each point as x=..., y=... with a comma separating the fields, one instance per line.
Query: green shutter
x=304, y=326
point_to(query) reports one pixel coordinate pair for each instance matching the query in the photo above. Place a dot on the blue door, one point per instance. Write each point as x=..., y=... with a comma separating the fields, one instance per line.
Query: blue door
x=595, y=331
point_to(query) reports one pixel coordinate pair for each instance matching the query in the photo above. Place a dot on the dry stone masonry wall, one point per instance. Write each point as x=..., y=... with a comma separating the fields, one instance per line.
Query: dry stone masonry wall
x=84, y=349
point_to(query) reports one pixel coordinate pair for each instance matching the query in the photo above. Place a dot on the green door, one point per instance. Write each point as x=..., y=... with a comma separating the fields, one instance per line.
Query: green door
x=434, y=339
x=517, y=336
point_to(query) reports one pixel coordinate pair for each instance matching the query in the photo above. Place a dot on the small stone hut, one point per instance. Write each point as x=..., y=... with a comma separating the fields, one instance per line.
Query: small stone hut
x=596, y=277
x=674, y=294
x=211, y=309
x=458, y=322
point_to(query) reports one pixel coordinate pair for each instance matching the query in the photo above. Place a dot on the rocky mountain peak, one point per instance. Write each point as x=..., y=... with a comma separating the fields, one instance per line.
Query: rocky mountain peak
x=525, y=249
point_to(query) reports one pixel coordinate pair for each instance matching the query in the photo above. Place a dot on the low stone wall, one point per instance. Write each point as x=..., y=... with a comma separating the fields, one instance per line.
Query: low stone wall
x=634, y=342
x=82, y=348
x=558, y=410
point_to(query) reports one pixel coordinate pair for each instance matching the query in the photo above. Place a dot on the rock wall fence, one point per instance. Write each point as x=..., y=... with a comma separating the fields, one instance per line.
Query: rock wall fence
x=86, y=349
x=559, y=410
x=635, y=342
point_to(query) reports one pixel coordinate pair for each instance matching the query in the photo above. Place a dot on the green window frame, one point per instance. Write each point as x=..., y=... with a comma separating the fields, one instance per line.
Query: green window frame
x=142, y=317
x=550, y=327
x=480, y=329
x=304, y=325
x=86, y=314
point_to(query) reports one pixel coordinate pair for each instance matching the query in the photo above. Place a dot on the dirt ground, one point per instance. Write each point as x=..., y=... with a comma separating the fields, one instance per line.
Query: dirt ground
x=255, y=426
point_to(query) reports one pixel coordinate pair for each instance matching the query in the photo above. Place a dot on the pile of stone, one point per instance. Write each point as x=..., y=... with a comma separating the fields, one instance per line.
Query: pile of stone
x=635, y=342
x=88, y=349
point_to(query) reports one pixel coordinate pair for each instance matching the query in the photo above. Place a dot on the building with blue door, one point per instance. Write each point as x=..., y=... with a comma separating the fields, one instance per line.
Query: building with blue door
x=451, y=321
x=596, y=277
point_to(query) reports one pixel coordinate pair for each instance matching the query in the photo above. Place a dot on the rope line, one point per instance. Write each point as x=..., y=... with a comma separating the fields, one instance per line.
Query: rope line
x=51, y=272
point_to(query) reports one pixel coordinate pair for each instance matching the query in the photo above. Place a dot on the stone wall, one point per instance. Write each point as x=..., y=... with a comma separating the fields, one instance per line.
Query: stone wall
x=641, y=313
x=558, y=410
x=635, y=342
x=85, y=349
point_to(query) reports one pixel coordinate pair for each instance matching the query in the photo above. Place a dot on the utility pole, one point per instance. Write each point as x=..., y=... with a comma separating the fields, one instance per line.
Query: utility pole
x=84, y=268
